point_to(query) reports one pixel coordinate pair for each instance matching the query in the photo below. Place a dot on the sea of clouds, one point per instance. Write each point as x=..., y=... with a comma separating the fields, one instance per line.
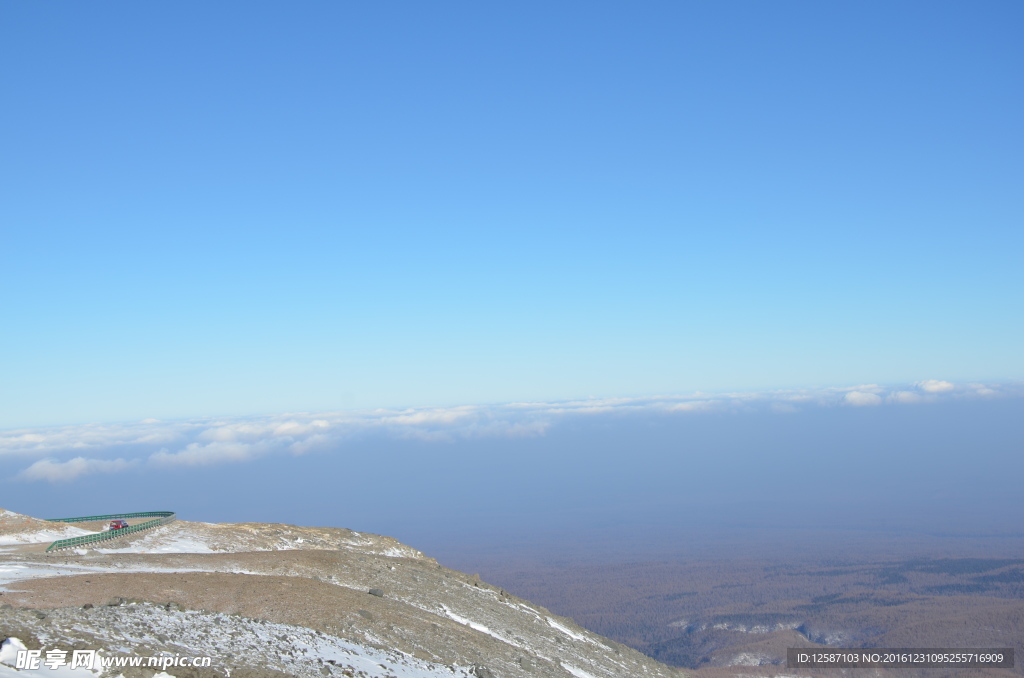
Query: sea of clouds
x=64, y=453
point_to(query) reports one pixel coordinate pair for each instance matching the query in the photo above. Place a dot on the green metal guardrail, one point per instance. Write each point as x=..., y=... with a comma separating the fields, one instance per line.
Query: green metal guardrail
x=160, y=518
x=141, y=514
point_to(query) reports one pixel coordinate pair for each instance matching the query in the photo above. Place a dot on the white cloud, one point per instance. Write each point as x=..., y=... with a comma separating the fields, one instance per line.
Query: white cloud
x=60, y=439
x=432, y=416
x=64, y=471
x=863, y=388
x=196, y=454
x=67, y=452
x=693, y=406
x=313, y=443
x=862, y=399
x=935, y=386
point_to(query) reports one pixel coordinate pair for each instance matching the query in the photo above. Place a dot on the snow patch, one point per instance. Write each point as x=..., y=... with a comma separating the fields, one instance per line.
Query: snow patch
x=10, y=649
x=156, y=543
x=751, y=659
x=466, y=622
x=262, y=643
x=578, y=672
x=42, y=536
x=476, y=627
x=569, y=632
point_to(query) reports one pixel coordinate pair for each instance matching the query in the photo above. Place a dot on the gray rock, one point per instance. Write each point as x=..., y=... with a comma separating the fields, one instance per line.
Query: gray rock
x=376, y=592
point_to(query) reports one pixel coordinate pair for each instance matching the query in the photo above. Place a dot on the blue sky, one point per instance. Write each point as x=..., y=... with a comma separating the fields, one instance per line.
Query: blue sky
x=254, y=208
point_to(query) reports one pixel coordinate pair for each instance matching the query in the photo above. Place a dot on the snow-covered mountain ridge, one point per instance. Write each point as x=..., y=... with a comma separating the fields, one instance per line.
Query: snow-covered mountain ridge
x=268, y=600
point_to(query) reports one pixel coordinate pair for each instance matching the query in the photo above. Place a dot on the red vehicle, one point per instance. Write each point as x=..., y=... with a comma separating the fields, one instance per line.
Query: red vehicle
x=117, y=524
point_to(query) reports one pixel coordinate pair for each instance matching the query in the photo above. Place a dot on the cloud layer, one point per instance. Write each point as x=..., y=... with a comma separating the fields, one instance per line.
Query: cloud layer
x=57, y=471
x=62, y=454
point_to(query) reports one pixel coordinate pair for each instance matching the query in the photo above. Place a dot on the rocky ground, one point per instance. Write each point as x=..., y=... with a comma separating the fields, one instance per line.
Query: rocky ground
x=271, y=600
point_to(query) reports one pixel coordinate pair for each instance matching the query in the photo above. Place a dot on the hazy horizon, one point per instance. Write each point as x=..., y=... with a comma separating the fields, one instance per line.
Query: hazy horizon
x=598, y=477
